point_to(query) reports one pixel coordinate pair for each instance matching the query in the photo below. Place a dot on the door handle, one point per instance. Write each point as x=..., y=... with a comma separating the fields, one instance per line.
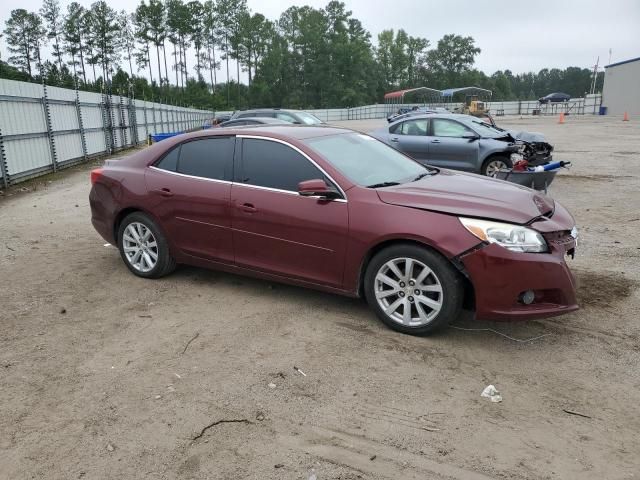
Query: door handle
x=248, y=207
x=435, y=141
x=394, y=139
x=165, y=192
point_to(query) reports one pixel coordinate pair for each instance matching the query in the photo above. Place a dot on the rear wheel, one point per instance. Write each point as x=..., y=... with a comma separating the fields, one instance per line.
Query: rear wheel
x=492, y=165
x=143, y=247
x=413, y=290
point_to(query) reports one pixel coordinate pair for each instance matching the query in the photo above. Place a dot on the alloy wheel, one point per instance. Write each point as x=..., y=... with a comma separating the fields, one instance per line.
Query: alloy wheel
x=408, y=291
x=494, y=166
x=140, y=247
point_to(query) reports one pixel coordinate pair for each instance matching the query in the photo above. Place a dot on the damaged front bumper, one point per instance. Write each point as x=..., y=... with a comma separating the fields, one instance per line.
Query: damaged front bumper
x=512, y=285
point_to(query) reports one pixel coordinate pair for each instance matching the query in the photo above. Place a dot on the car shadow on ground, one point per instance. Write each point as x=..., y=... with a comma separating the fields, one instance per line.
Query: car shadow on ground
x=354, y=314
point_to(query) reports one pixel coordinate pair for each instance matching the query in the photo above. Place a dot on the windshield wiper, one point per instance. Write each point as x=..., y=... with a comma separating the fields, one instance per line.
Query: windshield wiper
x=425, y=174
x=383, y=184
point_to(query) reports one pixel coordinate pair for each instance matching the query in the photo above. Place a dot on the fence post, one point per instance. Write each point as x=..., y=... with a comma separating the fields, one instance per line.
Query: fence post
x=153, y=114
x=105, y=124
x=47, y=119
x=176, y=128
x=146, y=120
x=112, y=123
x=123, y=124
x=83, y=140
x=4, y=166
x=133, y=121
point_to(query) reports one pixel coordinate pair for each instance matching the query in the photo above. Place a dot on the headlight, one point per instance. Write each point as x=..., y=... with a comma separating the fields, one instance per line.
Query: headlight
x=513, y=237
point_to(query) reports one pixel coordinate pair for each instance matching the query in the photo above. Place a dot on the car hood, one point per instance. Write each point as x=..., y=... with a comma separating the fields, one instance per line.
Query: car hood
x=531, y=137
x=470, y=195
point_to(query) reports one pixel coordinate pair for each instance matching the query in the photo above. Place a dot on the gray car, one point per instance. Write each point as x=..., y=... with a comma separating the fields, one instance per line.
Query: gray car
x=241, y=122
x=292, y=116
x=459, y=142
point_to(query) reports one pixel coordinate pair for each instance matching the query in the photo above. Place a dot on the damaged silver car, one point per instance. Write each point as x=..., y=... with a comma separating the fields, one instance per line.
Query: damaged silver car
x=463, y=142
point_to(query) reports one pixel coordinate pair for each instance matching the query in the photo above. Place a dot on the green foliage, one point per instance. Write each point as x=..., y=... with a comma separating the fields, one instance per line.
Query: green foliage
x=25, y=35
x=50, y=12
x=308, y=58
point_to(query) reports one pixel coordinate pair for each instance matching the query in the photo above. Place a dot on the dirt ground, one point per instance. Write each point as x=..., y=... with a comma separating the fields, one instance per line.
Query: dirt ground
x=105, y=375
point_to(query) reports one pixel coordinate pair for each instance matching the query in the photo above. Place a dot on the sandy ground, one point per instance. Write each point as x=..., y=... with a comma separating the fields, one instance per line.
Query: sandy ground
x=105, y=375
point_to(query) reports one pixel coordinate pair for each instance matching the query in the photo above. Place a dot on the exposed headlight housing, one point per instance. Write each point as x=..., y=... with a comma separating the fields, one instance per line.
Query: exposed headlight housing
x=512, y=237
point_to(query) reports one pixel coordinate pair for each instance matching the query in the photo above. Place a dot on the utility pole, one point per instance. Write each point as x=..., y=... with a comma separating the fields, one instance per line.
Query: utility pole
x=595, y=76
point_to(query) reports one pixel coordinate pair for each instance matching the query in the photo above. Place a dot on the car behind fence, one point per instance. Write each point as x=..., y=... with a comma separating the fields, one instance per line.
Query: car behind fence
x=43, y=129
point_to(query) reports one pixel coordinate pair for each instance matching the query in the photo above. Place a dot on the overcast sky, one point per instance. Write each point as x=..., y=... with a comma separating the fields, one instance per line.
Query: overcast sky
x=519, y=35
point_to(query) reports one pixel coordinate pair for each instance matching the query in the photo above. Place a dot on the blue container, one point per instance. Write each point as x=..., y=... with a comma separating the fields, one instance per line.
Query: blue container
x=602, y=111
x=158, y=137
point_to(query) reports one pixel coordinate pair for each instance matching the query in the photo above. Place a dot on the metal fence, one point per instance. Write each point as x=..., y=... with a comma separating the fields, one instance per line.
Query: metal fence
x=44, y=129
x=577, y=106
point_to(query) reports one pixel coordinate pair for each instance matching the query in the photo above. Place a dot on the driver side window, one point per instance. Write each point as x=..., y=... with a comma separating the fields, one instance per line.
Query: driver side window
x=448, y=128
x=270, y=164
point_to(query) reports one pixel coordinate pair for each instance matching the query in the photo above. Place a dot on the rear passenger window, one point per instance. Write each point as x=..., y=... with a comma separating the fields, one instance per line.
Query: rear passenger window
x=170, y=160
x=207, y=158
x=414, y=127
x=274, y=165
x=286, y=117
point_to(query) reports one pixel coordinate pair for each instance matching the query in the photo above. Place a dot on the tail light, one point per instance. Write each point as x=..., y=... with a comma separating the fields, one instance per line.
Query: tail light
x=95, y=175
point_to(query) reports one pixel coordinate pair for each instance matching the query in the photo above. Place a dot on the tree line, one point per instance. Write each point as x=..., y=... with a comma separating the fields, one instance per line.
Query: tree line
x=308, y=58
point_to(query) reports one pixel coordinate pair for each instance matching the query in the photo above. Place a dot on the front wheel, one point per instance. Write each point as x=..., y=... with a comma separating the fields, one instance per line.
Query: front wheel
x=412, y=289
x=493, y=165
x=143, y=247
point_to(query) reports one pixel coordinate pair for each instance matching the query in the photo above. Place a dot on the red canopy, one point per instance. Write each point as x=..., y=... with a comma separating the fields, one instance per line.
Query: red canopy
x=401, y=93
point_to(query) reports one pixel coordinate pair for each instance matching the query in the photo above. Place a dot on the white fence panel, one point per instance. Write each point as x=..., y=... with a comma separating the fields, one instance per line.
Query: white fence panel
x=46, y=128
x=33, y=154
x=68, y=147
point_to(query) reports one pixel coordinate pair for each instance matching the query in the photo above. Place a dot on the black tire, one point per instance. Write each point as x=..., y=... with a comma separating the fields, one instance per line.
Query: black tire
x=451, y=296
x=165, y=263
x=495, y=158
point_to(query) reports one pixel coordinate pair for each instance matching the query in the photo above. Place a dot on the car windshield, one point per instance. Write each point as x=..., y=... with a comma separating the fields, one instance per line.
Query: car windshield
x=485, y=129
x=308, y=119
x=367, y=161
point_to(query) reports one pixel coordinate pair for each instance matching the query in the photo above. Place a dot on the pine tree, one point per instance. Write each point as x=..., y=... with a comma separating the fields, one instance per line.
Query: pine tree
x=104, y=36
x=50, y=12
x=72, y=36
x=141, y=33
x=25, y=35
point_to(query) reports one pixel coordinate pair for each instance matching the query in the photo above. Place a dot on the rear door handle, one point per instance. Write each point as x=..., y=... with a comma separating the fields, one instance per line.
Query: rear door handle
x=435, y=141
x=165, y=192
x=248, y=207
x=394, y=139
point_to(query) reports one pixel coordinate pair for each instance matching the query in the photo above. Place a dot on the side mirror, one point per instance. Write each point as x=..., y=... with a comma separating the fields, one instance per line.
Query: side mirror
x=470, y=136
x=317, y=188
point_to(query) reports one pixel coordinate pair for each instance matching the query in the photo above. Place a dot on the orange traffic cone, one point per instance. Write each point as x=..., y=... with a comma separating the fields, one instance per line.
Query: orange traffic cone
x=561, y=119
x=626, y=117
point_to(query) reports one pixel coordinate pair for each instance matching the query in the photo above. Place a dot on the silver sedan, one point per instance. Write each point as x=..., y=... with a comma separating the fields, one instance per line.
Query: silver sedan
x=459, y=142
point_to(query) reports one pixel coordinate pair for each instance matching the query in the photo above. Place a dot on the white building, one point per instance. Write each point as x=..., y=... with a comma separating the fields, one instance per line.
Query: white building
x=621, y=91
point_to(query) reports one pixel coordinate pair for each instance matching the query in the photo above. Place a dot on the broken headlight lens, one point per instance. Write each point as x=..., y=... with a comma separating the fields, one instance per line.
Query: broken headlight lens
x=512, y=237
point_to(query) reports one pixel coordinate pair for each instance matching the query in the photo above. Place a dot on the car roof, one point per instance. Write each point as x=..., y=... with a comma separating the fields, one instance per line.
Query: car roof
x=458, y=116
x=281, y=131
x=269, y=110
x=257, y=119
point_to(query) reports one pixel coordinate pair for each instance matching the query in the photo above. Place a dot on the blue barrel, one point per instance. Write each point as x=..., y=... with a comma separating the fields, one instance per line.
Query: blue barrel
x=158, y=137
x=602, y=111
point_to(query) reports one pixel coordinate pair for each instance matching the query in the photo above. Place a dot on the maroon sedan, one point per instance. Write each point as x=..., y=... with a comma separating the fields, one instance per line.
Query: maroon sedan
x=336, y=210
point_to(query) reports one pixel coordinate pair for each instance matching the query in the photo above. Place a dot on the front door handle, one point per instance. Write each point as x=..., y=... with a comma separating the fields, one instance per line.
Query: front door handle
x=165, y=192
x=248, y=207
x=435, y=141
x=394, y=139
